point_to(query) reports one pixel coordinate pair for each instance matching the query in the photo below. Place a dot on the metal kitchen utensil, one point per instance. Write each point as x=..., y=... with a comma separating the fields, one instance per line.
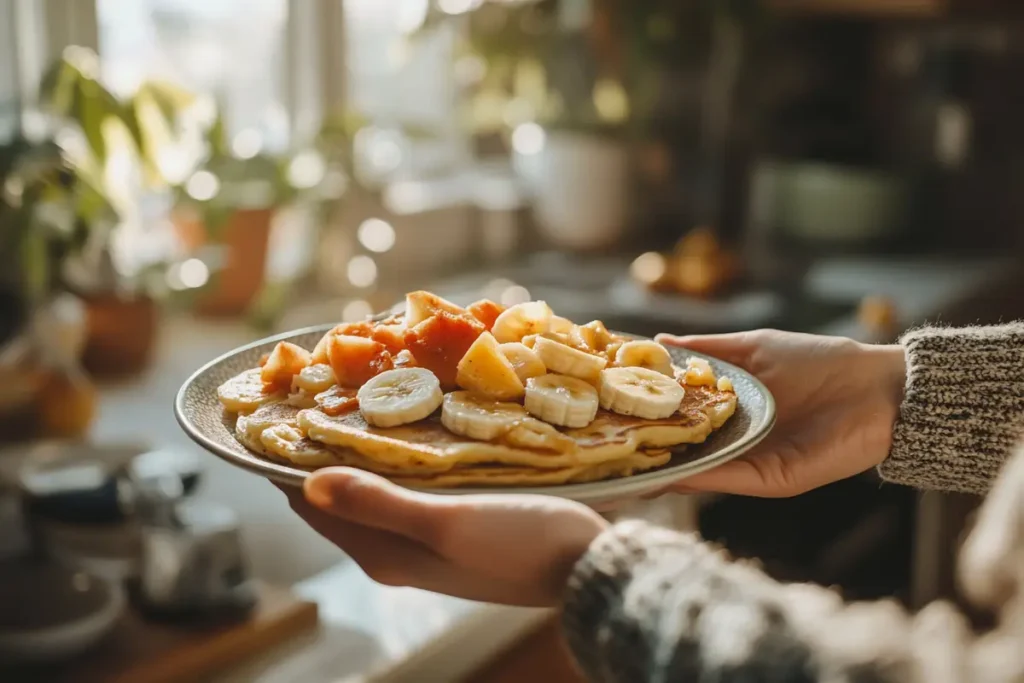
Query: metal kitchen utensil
x=193, y=563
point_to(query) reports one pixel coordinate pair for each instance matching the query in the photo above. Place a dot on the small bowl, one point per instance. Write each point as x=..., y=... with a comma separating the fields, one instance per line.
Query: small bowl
x=53, y=613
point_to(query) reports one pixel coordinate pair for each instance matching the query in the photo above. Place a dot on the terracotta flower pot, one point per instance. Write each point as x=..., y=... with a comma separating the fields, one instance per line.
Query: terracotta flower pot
x=245, y=239
x=122, y=334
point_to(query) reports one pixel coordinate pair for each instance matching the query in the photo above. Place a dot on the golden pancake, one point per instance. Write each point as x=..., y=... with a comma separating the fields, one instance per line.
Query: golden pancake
x=501, y=475
x=610, y=437
x=271, y=431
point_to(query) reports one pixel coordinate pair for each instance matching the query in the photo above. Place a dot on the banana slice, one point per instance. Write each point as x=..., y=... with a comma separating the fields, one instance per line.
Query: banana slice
x=699, y=373
x=398, y=397
x=560, y=400
x=525, y=360
x=244, y=393
x=521, y=320
x=565, y=360
x=530, y=340
x=560, y=325
x=313, y=379
x=639, y=392
x=485, y=370
x=478, y=417
x=645, y=354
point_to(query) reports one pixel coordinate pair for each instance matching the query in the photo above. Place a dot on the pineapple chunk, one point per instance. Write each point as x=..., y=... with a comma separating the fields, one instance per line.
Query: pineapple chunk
x=420, y=306
x=699, y=373
x=725, y=384
x=283, y=363
x=485, y=370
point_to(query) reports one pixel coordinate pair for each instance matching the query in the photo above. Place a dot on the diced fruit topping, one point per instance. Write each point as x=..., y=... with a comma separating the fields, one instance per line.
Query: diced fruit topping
x=486, y=311
x=419, y=306
x=355, y=360
x=391, y=336
x=590, y=338
x=699, y=373
x=525, y=360
x=404, y=359
x=440, y=342
x=725, y=384
x=284, y=362
x=362, y=328
x=485, y=370
x=532, y=317
x=560, y=325
x=337, y=401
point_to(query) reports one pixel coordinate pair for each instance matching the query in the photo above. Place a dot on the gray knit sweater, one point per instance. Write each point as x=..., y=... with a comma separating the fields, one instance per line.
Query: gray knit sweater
x=648, y=605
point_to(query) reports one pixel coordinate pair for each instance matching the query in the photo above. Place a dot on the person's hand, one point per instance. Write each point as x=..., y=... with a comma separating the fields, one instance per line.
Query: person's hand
x=509, y=549
x=836, y=401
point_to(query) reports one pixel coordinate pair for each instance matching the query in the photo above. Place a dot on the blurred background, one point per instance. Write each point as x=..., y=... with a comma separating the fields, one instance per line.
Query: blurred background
x=179, y=177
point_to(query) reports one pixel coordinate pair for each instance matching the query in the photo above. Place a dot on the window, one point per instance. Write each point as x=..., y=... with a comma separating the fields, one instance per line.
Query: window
x=231, y=49
x=396, y=79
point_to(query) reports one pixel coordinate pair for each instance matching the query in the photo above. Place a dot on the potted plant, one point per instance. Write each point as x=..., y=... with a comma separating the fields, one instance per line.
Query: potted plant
x=99, y=134
x=225, y=209
x=46, y=211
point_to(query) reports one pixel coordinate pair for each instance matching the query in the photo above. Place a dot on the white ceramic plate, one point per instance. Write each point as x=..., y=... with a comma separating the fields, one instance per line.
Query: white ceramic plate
x=203, y=418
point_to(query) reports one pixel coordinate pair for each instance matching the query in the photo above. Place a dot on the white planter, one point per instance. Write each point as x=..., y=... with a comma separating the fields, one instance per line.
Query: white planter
x=580, y=188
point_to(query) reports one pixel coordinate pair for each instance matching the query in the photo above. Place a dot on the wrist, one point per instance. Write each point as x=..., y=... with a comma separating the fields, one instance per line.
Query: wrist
x=887, y=363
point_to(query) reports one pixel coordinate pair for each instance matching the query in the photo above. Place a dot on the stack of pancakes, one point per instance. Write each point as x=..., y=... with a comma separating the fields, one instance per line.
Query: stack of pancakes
x=426, y=455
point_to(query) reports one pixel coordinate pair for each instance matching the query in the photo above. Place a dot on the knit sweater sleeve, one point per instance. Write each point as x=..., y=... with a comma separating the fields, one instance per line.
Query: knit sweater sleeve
x=963, y=407
x=648, y=605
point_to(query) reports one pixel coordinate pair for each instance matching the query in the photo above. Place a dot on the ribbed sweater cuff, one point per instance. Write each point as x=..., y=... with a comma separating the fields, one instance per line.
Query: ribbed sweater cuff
x=963, y=407
x=600, y=634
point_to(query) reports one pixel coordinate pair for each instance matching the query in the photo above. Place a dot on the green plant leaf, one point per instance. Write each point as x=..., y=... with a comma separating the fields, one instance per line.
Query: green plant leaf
x=217, y=138
x=57, y=89
x=35, y=265
x=90, y=112
x=171, y=99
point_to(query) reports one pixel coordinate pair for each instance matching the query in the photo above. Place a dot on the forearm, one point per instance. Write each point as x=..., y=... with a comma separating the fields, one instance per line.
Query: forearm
x=963, y=407
x=646, y=604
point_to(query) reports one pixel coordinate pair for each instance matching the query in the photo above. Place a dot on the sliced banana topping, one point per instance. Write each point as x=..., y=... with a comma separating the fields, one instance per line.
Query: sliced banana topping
x=560, y=400
x=313, y=379
x=639, y=392
x=565, y=360
x=244, y=393
x=485, y=370
x=398, y=397
x=560, y=325
x=645, y=354
x=478, y=417
x=522, y=320
x=525, y=360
